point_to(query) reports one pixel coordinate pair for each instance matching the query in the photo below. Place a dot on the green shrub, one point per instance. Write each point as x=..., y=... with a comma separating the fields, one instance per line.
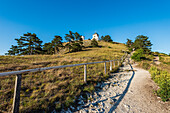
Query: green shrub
x=138, y=55
x=94, y=43
x=162, y=78
x=76, y=47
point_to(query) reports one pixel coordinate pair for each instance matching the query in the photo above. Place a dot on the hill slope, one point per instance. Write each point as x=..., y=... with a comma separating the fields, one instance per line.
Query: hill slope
x=53, y=89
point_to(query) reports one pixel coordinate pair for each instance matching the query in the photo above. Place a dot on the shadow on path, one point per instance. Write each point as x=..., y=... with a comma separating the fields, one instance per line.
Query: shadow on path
x=124, y=92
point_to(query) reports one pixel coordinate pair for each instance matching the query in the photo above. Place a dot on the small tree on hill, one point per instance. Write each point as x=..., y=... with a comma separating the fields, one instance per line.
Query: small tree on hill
x=56, y=43
x=106, y=38
x=142, y=42
x=48, y=48
x=94, y=43
x=75, y=42
x=29, y=44
x=69, y=37
x=129, y=44
x=76, y=47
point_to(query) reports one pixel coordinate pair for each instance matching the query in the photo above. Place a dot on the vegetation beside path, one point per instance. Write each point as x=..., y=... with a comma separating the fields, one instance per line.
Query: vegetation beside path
x=55, y=89
x=160, y=74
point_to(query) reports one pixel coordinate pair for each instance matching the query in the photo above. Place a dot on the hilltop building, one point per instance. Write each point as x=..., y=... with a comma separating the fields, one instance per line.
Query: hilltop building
x=95, y=36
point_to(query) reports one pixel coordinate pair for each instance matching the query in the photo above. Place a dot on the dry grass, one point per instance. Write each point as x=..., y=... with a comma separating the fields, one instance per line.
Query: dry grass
x=52, y=89
x=165, y=63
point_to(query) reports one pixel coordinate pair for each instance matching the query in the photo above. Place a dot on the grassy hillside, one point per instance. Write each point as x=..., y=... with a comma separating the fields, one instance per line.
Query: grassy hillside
x=56, y=88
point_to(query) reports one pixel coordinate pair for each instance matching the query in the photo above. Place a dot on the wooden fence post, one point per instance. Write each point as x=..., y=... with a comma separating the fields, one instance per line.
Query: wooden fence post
x=110, y=65
x=16, y=100
x=85, y=73
x=105, y=67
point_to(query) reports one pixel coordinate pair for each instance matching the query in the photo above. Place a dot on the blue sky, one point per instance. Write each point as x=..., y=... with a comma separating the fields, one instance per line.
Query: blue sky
x=121, y=19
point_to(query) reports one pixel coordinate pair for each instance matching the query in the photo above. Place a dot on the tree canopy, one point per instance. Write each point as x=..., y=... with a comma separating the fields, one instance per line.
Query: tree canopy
x=141, y=42
x=28, y=44
x=106, y=38
x=75, y=42
x=53, y=46
x=56, y=43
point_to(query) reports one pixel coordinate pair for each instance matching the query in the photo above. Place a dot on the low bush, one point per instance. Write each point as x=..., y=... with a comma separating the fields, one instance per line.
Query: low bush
x=162, y=78
x=76, y=47
x=138, y=55
x=94, y=43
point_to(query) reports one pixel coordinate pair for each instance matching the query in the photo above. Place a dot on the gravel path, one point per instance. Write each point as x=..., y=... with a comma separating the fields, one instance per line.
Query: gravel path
x=140, y=96
x=128, y=91
x=109, y=93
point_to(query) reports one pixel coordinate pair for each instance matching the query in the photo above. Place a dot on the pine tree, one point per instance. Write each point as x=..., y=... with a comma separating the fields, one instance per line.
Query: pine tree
x=75, y=42
x=70, y=38
x=106, y=38
x=48, y=48
x=13, y=50
x=142, y=42
x=56, y=43
x=129, y=44
x=28, y=44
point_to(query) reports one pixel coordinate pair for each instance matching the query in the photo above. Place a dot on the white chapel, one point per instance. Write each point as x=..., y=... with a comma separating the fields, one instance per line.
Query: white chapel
x=95, y=36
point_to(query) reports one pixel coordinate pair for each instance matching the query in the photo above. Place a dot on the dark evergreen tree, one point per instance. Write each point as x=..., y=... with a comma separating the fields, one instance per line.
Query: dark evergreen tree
x=94, y=43
x=106, y=38
x=56, y=43
x=29, y=44
x=13, y=50
x=75, y=42
x=142, y=42
x=48, y=48
x=78, y=38
x=76, y=47
x=70, y=38
x=129, y=44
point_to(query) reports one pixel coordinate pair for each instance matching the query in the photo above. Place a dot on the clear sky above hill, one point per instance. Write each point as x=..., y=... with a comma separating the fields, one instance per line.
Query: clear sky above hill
x=121, y=19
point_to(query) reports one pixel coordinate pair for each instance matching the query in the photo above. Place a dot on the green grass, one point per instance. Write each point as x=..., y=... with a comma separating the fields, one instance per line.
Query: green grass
x=52, y=89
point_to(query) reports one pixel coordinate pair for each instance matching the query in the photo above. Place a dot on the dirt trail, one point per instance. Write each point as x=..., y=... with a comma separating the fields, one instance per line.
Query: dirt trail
x=128, y=91
x=140, y=97
x=156, y=60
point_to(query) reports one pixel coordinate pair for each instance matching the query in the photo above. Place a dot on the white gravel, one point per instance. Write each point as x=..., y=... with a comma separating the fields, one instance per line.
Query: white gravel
x=125, y=92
